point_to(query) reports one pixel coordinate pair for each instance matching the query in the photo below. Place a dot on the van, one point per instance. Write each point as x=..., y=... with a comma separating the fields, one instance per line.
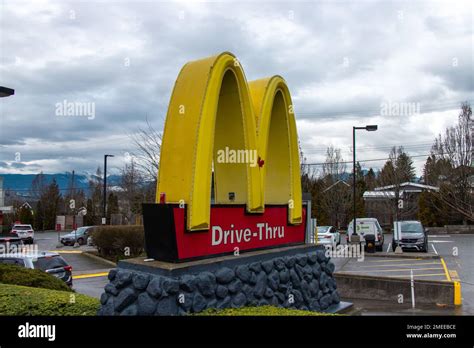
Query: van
x=409, y=235
x=366, y=226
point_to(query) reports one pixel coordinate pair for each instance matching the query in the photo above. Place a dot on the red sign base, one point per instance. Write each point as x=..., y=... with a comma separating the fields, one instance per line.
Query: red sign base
x=233, y=230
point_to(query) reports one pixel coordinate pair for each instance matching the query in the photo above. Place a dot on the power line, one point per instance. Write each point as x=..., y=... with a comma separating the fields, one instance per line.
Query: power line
x=348, y=162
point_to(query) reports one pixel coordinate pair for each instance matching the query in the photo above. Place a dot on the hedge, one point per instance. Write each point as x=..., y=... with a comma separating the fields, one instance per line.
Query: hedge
x=113, y=242
x=16, y=275
x=23, y=300
x=259, y=311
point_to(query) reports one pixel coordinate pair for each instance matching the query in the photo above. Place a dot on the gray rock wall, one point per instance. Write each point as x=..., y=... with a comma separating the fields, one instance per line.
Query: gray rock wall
x=301, y=281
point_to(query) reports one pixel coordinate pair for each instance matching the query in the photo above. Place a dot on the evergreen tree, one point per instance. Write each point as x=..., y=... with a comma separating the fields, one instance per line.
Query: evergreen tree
x=25, y=215
x=39, y=217
x=51, y=201
x=370, y=179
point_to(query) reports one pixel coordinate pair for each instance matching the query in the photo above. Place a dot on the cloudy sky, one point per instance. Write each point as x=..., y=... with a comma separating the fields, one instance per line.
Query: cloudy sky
x=345, y=62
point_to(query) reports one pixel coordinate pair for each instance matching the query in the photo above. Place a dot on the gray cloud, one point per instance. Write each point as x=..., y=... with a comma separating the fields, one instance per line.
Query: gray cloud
x=341, y=61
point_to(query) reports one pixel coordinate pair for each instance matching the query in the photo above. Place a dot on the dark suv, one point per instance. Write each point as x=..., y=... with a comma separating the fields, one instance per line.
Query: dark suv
x=48, y=262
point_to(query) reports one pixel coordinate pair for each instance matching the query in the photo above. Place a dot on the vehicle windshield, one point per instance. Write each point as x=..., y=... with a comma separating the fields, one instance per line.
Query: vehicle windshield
x=411, y=227
x=49, y=262
x=22, y=227
x=80, y=230
x=323, y=229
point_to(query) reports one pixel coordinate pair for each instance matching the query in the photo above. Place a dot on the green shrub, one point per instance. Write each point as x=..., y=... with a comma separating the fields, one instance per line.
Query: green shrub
x=259, y=311
x=22, y=300
x=11, y=274
x=112, y=241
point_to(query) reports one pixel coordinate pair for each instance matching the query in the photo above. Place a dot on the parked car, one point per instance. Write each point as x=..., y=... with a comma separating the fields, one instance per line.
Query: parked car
x=8, y=242
x=45, y=261
x=81, y=235
x=25, y=232
x=328, y=235
x=366, y=226
x=410, y=235
x=90, y=241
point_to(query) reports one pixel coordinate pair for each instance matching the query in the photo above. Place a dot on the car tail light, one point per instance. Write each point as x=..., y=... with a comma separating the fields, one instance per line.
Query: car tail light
x=68, y=268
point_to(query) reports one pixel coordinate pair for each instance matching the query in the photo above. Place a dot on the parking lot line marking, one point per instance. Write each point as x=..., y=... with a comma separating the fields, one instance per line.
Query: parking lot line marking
x=436, y=252
x=405, y=264
x=448, y=277
x=394, y=260
x=66, y=251
x=400, y=269
x=389, y=245
x=419, y=275
x=454, y=275
x=91, y=275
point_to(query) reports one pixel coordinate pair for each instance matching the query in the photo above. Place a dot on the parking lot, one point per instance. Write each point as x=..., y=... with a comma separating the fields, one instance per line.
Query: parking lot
x=456, y=263
x=89, y=274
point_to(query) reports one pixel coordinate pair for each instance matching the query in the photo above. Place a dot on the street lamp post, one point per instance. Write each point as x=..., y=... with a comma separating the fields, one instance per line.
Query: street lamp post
x=6, y=92
x=369, y=128
x=104, y=218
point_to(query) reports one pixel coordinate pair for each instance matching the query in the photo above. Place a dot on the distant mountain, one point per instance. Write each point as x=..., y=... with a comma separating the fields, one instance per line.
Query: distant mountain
x=21, y=183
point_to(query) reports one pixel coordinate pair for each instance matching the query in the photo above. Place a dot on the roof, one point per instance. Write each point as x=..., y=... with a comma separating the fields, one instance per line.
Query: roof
x=417, y=187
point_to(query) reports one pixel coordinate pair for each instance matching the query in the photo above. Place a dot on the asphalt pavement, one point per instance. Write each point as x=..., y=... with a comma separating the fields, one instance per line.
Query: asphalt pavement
x=89, y=274
x=456, y=263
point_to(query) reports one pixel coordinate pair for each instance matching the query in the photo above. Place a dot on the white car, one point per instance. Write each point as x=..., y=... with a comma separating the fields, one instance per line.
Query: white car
x=328, y=235
x=25, y=232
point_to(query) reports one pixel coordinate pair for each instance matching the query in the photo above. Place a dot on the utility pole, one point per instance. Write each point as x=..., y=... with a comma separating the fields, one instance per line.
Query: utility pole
x=354, y=221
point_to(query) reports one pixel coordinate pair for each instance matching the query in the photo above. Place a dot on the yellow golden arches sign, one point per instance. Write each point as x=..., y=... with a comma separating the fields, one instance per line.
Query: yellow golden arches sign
x=213, y=110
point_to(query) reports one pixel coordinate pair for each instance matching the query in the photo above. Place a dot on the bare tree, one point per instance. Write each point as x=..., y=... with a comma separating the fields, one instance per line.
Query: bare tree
x=147, y=142
x=336, y=195
x=456, y=148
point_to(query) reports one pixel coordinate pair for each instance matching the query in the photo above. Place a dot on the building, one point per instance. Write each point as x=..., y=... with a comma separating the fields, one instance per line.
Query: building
x=3, y=209
x=389, y=203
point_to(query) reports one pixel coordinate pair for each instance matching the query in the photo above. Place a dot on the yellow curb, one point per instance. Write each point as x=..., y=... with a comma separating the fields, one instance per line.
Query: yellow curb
x=66, y=251
x=91, y=275
x=457, y=294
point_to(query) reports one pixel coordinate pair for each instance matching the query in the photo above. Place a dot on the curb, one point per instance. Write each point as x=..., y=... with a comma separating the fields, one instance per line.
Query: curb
x=368, y=287
x=98, y=258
